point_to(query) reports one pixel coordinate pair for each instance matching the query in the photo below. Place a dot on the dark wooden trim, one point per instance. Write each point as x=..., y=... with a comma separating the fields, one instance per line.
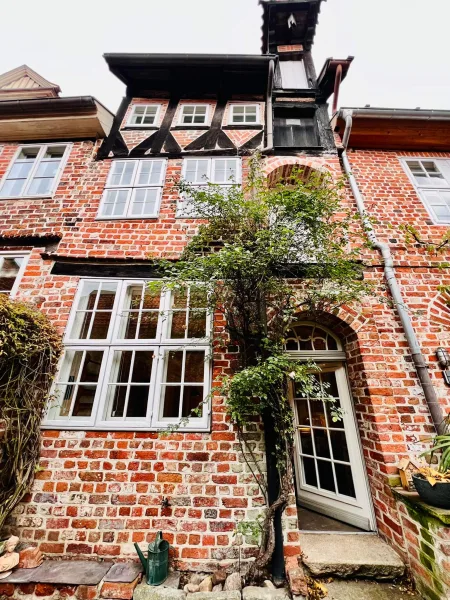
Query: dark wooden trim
x=108, y=142
x=147, y=128
x=244, y=127
x=161, y=135
x=119, y=148
x=33, y=241
x=254, y=142
x=142, y=148
x=188, y=127
x=122, y=271
x=171, y=145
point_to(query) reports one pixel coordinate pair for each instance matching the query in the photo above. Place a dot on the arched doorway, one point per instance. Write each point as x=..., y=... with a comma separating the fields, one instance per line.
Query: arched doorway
x=330, y=473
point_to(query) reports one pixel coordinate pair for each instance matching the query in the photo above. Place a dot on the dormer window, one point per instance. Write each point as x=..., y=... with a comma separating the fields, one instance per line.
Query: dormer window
x=144, y=115
x=194, y=114
x=242, y=114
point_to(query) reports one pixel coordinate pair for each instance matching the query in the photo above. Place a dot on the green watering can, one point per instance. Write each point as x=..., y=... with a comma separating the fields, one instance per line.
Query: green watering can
x=156, y=565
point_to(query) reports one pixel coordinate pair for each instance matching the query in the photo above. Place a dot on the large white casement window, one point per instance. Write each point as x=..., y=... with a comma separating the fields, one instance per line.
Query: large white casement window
x=133, y=189
x=12, y=266
x=197, y=172
x=432, y=181
x=194, y=114
x=135, y=357
x=242, y=114
x=35, y=171
x=144, y=115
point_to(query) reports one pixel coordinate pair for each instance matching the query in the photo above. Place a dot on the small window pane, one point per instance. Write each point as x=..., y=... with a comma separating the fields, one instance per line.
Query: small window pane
x=326, y=475
x=145, y=202
x=84, y=401
x=309, y=470
x=9, y=269
x=174, y=366
x=114, y=203
x=40, y=187
x=192, y=401
x=171, y=401
x=122, y=172
x=194, y=367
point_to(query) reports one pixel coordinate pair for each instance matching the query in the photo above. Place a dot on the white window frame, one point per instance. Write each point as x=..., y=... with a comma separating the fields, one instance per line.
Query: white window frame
x=194, y=125
x=42, y=149
x=420, y=189
x=23, y=266
x=155, y=124
x=131, y=191
x=162, y=343
x=231, y=120
x=180, y=212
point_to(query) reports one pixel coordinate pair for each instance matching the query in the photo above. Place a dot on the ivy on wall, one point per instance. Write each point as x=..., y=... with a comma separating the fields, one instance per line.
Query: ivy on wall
x=29, y=351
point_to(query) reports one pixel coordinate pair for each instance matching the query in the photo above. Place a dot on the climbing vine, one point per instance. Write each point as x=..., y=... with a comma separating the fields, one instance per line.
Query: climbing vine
x=265, y=255
x=29, y=352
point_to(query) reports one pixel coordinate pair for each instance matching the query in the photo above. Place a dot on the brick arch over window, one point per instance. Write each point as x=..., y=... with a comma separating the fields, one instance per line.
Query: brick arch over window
x=279, y=169
x=439, y=310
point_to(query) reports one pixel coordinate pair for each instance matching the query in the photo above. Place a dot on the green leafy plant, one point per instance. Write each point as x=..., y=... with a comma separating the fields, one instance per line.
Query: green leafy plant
x=441, y=450
x=264, y=256
x=29, y=351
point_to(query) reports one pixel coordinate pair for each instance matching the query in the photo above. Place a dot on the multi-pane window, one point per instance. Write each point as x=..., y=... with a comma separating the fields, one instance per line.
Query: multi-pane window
x=135, y=355
x=133, y=189
x=144, y=115
x=197, y=172
x=241, y=114
x=34, y=171
x=11, y=268
x=432, y=179
x=194, y=114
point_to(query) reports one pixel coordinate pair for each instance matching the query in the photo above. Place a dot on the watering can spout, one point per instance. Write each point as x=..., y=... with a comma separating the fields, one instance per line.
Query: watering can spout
x=141, y=556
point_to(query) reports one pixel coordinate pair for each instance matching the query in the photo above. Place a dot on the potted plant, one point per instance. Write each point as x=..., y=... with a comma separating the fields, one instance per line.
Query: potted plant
x=433, y=482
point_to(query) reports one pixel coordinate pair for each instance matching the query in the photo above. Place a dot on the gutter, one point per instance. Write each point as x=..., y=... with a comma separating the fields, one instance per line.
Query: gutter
x=396, y=113
x=419, y=361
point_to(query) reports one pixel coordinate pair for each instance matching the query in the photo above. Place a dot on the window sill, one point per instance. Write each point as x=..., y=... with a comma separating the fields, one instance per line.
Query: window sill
x=125, y=428
x=127, y=218
x=45, y=197
x=239, y=126
x=414, y=503
x=194, y=126
x=138, y=127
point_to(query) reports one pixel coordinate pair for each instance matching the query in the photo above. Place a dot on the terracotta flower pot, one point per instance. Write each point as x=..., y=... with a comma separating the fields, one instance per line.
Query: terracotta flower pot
x=436, y=495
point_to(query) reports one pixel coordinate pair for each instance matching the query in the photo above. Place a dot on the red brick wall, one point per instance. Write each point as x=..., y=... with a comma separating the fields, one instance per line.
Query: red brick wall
x=92, y=479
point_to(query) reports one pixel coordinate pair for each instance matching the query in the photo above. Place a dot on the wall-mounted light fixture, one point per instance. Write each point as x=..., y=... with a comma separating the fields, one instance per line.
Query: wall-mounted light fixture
x=444, y=360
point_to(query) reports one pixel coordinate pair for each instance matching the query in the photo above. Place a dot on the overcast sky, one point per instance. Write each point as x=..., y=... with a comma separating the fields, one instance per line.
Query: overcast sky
x=401, y=47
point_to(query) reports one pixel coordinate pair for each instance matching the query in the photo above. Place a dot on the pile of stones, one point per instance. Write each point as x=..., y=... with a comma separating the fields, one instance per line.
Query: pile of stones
x=215, y=586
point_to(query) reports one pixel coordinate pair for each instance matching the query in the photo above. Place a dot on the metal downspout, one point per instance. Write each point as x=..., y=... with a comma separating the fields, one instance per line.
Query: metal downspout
x=269, y=109
x=389, y=272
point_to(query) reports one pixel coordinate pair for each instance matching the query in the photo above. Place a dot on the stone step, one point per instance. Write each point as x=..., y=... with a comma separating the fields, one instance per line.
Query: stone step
x=358, y=555
x=368, y=590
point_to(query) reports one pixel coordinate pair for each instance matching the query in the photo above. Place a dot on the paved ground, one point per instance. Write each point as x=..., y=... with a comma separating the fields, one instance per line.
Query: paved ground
x=368, y=590
x=312, y=521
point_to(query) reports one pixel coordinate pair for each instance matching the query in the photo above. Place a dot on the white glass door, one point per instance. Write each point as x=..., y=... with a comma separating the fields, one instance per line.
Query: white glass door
x=330, y=473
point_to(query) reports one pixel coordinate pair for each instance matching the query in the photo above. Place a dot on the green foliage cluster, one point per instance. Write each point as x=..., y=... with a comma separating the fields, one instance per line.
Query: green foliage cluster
x=29, y=351
x=265, y=255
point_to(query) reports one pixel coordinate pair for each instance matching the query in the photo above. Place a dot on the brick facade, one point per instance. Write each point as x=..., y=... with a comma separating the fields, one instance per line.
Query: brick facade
x=99, y=491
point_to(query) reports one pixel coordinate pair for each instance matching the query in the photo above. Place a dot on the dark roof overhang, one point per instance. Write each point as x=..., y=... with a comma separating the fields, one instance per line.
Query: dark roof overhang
x=327, y=76
x=275, y=25
x=54, y=118
x=396, y=128
x=201, y=74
